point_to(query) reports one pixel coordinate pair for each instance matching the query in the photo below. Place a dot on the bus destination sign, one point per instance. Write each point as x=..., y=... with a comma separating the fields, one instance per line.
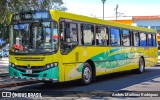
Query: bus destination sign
x=31, y=15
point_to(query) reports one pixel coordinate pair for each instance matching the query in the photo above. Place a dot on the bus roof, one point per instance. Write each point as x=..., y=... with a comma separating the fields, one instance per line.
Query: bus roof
x=60, y=14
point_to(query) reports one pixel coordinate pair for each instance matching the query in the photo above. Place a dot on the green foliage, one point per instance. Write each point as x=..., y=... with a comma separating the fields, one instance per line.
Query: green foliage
x=8, y=7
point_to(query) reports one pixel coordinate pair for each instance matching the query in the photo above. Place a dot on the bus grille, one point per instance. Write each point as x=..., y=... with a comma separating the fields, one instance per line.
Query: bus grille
x=29, y=58
x=35, y=69
x=30, y=75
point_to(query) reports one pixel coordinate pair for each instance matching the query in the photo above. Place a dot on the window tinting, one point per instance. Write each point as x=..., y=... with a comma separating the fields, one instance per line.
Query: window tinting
x=69, y=36
x=101, y=35
x=87, y=34
x=149, y=37
x=126, y=38
x=143, y=41
x=114, y=37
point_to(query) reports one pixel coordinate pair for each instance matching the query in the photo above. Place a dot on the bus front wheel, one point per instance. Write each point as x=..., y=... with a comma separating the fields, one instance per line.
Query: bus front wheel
x=86, y=74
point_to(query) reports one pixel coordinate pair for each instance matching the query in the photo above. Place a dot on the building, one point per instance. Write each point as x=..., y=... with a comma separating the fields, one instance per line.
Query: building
x=151, y=22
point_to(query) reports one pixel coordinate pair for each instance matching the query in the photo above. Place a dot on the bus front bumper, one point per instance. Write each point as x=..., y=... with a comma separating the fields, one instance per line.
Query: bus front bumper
x=46, y=75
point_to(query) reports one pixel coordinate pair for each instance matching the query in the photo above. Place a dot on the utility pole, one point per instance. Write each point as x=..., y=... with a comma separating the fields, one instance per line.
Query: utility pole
x=103, y=1
x=116, y=11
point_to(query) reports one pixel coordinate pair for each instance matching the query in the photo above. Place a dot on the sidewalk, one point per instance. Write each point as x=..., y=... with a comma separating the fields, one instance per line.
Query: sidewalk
x=4, y=62
x=5, y=81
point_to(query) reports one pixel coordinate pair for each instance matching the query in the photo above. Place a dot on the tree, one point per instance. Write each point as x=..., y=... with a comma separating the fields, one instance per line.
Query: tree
x=8, y=7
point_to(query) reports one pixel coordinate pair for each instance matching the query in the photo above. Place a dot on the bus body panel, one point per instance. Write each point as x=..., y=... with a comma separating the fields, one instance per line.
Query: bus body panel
x=34, y=62
x=109, y=60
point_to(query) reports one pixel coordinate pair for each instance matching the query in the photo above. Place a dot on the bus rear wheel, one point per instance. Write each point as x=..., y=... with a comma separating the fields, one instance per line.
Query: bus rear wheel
x=86, y=74
x=141, y=66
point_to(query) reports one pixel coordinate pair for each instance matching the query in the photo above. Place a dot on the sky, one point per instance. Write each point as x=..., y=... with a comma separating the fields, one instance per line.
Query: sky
x=94, y=8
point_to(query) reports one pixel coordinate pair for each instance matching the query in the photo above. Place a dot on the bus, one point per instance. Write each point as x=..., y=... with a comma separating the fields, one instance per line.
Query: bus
x=54, y=46
x=158, y=38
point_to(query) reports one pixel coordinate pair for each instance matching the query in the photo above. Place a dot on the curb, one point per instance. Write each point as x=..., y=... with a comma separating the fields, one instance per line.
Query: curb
x=4, y=74
x=15, y=83
x=12, y=84
x=158, y=65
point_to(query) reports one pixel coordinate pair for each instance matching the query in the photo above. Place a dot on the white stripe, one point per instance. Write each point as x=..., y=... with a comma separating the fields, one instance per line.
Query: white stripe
x=149, y=79
x=3, y=65
x=6, y=62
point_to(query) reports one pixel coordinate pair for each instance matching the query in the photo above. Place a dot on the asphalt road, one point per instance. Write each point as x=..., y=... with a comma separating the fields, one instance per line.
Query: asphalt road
x=147, y=81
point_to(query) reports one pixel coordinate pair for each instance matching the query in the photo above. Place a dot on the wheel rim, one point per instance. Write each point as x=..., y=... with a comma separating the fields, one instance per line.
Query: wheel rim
x=141, y=65
x=87, y=75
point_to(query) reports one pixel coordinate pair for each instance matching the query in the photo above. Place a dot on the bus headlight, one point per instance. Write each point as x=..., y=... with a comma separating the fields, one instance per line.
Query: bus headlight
x=47, y=66
x=12, y=65
x=51, y=65
x=55, y=63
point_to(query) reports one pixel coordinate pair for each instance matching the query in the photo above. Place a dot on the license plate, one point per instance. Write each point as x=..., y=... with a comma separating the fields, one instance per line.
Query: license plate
x=28, y=71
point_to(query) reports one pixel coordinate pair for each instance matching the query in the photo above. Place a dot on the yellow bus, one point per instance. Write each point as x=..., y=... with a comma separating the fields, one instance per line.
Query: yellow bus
x=55, y=46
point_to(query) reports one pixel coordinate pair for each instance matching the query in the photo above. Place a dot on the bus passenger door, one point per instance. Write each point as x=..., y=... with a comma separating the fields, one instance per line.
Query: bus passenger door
x=69, y=49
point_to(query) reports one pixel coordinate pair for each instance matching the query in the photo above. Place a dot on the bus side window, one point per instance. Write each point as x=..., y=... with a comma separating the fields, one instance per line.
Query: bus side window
x=149, y=38
x=114, y=37
x=143, y=41
x=101, y=35
x=126, y=40
x=136, y=38
x=69, y=37
x=87, y=31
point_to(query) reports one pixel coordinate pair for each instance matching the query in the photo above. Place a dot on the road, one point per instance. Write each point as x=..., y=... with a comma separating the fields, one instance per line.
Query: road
x=147, y=81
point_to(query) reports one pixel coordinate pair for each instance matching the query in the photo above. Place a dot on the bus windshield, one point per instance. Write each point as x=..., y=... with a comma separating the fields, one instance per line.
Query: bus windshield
x=35, y=37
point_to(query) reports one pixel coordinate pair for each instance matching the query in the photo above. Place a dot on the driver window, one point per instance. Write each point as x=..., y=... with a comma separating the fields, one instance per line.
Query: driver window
x=54, y=38
x=69, y=36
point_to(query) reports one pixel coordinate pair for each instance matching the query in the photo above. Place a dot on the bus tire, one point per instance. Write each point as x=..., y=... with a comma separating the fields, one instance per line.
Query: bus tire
x=86, y=74
x=141, y=68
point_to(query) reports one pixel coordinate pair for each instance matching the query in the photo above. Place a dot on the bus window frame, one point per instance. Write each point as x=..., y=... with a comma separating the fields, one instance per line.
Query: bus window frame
x=151, y=40
x=66, y=20
x=134, y=38
x=130, y=38
x=107, y=33
x=155, y=37
x=38, y=21
x=140, y=32
x=81, y=33
x=120, y=36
